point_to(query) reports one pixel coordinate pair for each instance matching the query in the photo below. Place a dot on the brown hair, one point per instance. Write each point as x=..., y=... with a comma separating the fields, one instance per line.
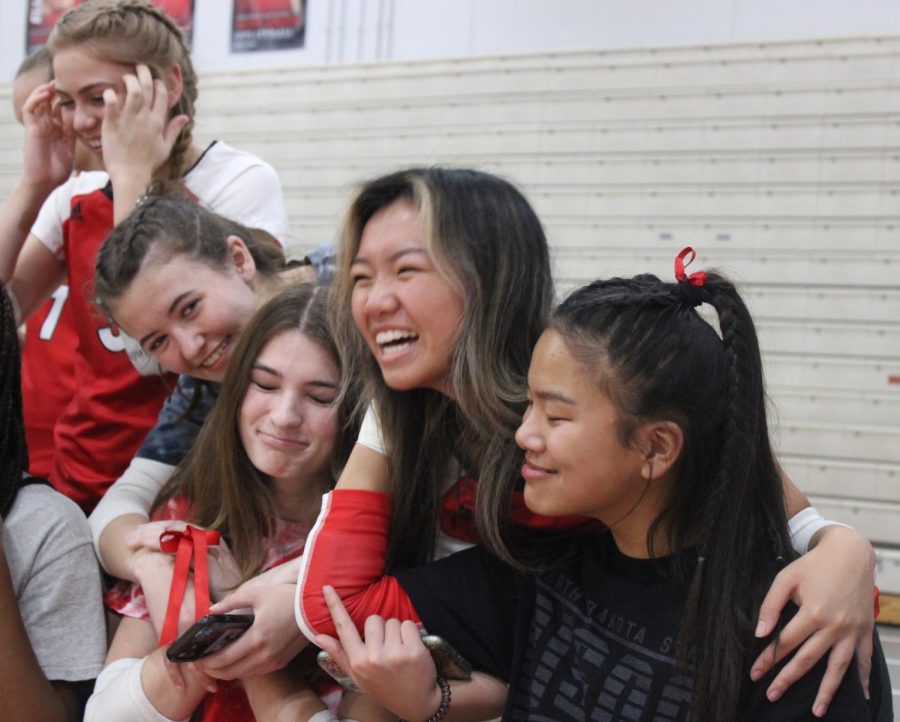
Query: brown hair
x=166, y=226
x=133, y=32
x=40, y=58
x=225, y=491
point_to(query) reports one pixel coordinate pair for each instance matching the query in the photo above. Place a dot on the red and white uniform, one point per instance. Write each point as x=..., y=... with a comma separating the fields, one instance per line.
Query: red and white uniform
x=48, y=376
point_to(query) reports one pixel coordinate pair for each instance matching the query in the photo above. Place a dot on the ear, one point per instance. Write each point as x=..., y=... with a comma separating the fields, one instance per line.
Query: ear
x=243, y=262
x=661, y=443
x=174, y=81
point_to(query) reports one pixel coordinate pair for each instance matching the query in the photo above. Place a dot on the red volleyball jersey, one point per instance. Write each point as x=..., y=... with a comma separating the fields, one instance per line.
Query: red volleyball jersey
x=113, y=407
x=48, y=376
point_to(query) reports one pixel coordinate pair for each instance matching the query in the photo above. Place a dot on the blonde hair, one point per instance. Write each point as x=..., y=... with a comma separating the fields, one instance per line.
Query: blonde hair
x=132, y=32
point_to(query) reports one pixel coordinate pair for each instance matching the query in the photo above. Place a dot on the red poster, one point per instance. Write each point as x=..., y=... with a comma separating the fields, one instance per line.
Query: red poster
x=267, y=25
x=43, y=14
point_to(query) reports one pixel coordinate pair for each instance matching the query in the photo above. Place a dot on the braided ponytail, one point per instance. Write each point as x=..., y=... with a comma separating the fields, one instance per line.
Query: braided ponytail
x=660, y=359
x=132, y=32
x=743, y=529
x=14, y=459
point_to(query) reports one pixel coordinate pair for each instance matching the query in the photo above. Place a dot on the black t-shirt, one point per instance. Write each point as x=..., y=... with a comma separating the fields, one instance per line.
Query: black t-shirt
x=596, y=640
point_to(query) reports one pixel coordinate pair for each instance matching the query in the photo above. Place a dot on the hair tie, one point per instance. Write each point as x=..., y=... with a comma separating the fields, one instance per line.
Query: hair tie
x=695, y=279
x=189, y=542
x=689, y=287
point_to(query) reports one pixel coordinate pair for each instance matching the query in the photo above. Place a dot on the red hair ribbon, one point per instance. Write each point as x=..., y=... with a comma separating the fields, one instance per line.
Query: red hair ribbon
x=695, y=279
x=185, y=544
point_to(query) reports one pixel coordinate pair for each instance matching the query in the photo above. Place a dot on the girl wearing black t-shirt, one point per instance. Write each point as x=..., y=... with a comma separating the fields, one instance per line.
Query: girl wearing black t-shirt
x=641, y=416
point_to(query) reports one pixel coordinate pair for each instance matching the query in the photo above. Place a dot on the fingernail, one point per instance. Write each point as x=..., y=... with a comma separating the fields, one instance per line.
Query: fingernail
x=820, y=709
x=327, y=591
x=773, y=694
x=761, y=628
x=756, y=675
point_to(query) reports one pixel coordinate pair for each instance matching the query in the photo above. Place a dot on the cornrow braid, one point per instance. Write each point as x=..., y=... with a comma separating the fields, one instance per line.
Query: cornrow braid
x=132, y=32
x=658, y=358
x=14, y=459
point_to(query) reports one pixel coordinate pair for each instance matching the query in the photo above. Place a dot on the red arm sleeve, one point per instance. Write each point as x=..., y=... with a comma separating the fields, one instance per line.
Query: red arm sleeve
x=346, y=550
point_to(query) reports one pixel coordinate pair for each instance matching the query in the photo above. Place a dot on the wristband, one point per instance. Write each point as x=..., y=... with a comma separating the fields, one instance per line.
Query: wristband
x=445, y=702
x=370, y=432
x=804, y=525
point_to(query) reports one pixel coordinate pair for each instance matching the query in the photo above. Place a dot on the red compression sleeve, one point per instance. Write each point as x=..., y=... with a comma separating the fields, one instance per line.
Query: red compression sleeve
x=346, y=550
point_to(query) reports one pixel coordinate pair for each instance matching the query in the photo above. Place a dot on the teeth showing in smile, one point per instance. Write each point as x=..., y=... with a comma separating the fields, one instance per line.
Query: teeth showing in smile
x=392, y=342
x=214, y=357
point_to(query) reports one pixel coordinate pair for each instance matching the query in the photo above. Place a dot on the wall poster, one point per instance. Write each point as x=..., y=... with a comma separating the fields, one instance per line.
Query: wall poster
x=267, y=25
x=43, y=14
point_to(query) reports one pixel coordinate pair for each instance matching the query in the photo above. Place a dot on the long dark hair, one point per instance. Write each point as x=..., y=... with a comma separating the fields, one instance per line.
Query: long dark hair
x=663, y=361
x=485, y=237
x=14, y=455
x=224, y=489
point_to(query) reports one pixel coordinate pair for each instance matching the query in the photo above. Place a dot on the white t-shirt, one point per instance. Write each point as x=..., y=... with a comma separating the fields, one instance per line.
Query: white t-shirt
x=56, y=581
x=231, y=182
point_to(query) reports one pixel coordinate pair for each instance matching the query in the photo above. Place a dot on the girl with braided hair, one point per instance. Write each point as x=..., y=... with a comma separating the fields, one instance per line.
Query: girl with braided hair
x=443, y=289
x=640, y=416
x=51, y=620
x=123, y=85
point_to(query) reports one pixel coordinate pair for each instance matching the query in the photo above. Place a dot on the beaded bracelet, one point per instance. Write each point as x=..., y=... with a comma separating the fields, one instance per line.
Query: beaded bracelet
x=445, y=702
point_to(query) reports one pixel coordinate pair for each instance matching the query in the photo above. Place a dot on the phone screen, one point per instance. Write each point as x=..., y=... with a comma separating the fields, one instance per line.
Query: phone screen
x=208, y=635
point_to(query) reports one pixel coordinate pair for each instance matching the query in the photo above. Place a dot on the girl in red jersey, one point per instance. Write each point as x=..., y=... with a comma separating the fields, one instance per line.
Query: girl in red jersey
x=256, y=474
x=124, y=85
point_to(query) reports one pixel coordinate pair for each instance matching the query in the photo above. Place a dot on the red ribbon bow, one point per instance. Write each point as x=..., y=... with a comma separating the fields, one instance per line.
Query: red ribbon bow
x=185, y=544
x=695, y=279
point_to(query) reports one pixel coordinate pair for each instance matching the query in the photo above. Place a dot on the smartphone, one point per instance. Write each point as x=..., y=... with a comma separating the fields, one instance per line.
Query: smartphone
x=449, y=663
x=208, y=635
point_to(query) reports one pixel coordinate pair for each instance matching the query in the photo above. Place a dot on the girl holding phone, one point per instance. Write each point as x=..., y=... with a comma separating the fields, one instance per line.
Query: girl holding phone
x=256, y=474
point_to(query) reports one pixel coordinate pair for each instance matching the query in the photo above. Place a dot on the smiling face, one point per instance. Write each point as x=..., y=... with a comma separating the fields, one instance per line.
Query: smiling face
x=188, y=314
x=408, y=312
x=288, y=421
x=575, y=459
x=80, y=77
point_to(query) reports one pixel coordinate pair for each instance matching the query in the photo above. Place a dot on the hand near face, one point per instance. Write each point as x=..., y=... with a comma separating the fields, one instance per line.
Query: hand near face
x=49, y=151
x=137, y=134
